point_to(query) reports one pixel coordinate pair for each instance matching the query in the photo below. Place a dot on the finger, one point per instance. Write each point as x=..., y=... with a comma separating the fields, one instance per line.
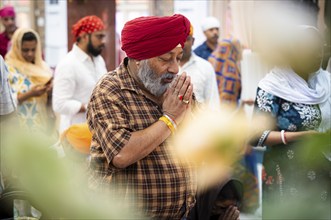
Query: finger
x=185, y=86
x=167, y=93
x=173, y=85
x=188, y=94
x=233, y=212
x=236, y=215
x=180, y=83
x=226, y=214
x=229, y=212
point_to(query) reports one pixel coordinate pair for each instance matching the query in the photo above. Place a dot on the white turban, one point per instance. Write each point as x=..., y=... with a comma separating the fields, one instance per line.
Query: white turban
x=210, y=22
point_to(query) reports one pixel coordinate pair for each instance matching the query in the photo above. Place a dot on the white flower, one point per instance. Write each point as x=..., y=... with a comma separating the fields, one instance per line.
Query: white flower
x=290, y=154
x=311, y=175
x=324, y=195
x=309, y=114
x=263, y=102
x=293, y=191
x=292, y=127
x=285, y=106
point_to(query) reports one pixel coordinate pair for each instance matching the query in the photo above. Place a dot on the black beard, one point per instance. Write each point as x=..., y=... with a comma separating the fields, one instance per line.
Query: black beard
x=92, y=50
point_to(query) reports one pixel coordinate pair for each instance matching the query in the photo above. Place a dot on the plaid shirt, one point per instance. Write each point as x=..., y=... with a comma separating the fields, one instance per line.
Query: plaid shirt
x=161, y=186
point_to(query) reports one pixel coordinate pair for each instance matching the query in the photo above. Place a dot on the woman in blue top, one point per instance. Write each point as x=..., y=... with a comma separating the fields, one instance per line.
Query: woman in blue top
x=297, y=97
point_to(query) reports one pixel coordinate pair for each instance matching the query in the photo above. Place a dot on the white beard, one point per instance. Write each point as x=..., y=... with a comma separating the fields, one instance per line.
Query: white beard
x=152, y=82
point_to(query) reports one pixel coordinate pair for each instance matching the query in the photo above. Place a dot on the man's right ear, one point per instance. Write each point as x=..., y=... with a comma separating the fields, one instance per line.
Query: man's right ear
x=137, y=62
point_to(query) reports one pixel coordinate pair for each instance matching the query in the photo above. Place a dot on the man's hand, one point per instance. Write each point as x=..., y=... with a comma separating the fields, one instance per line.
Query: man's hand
x=180, y=91
x=231, y=213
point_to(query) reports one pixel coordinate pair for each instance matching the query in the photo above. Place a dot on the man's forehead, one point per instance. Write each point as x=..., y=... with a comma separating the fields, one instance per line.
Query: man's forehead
x=176, y=51
x=8, y=17
x=99, y=32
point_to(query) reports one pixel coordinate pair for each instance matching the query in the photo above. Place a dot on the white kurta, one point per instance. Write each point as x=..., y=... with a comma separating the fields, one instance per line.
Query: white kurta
x=204, y=81
x=74, y=80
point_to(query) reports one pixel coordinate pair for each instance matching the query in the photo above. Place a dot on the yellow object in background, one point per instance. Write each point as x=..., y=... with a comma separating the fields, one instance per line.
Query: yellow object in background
x=79, y=137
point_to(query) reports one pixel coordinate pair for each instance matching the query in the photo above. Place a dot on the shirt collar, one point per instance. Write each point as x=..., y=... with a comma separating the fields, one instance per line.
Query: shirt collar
x=206, y=46
x=191, y=61
x=81, y=55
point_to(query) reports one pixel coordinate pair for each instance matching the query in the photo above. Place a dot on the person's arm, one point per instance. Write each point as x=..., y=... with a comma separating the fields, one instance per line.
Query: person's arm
x=7, y=103
x=141, y=144
x=35, y=91
x=274, y=137
x=63, y=92
x=145, y=141
x=268, y=105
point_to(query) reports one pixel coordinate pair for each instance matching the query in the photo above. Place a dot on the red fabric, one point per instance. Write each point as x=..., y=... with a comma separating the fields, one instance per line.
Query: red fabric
x=7, y=11
x=147, y=37
x=88, y=24
x=4, y=42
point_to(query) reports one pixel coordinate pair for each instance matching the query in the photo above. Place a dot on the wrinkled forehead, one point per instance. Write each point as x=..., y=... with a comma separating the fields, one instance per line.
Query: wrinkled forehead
x=178, y=50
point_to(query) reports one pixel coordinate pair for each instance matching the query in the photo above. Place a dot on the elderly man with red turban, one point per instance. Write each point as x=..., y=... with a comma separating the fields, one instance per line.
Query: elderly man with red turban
x=132, y=113
x=77, y=74
x=7, y=15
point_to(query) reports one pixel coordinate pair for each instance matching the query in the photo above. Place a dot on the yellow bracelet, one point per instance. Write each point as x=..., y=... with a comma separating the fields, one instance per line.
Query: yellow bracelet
x=168, y=123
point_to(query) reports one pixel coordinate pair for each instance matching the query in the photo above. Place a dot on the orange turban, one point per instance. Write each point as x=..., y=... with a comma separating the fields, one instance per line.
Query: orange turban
x=88, y=24
x=79, y=137
x=151, y=36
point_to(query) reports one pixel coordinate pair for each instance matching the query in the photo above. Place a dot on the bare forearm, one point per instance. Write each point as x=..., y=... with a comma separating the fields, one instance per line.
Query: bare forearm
x=141, y=144
x=274, y=137
x=21, y=97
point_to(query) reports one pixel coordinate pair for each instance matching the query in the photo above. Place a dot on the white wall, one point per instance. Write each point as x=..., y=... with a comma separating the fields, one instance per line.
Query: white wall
x=195, y=11
x=56, y=42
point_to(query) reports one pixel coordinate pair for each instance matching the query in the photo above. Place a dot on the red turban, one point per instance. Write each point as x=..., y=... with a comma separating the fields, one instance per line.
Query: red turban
x=7, y=11
x=147, y=37
x=88, y=24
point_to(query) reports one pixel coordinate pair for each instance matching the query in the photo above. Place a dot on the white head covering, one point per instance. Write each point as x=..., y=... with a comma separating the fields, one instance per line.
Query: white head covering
x=210, y=22
x=328, y=68
x=286, y=84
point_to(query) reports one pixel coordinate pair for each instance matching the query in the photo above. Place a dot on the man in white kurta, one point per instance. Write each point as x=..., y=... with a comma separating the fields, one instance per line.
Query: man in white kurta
x=79, y=71
x=202, y=76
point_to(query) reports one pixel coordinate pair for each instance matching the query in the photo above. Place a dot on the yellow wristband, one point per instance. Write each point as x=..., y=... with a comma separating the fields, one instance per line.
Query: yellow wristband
x=168, y=123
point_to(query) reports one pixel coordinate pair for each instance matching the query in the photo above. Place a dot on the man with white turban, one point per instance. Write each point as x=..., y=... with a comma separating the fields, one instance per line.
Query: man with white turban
x=210, y=27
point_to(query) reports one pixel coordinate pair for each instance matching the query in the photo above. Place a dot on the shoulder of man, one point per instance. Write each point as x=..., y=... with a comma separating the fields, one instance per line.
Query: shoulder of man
x=109, y=84
x=204, y=65
x=67, y=63
x=198, y=49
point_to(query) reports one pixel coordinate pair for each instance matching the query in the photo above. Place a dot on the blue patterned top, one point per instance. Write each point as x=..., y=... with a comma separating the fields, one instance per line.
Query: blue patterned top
x=289, y=116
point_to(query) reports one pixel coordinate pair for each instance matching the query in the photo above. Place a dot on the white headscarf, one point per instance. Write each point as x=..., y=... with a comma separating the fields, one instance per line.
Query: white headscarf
x=286, y=84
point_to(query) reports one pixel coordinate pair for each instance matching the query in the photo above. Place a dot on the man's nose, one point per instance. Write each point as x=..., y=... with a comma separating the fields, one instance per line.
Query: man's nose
x=173, y=68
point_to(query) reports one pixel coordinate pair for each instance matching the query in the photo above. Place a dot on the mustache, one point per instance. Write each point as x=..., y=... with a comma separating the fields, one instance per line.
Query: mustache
x=168, y=76
x=102, y=46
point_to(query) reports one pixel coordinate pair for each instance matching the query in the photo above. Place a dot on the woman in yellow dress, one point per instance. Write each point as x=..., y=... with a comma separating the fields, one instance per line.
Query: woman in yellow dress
x=31, y=81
